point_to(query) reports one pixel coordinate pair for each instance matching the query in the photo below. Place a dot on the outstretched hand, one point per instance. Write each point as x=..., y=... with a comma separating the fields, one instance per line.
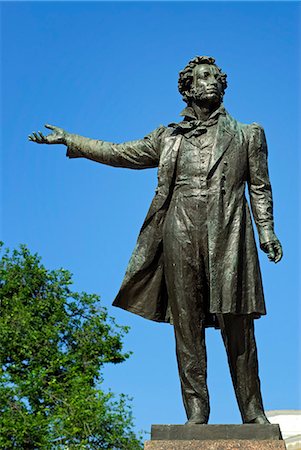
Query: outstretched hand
x=58, y=136
x=274, y=251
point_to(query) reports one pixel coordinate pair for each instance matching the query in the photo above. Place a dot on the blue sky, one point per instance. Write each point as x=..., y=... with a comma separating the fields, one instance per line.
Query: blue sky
x=109, y=70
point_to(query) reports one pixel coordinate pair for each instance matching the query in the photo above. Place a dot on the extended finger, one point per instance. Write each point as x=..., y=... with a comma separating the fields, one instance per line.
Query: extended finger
x=42, y=135
x=50, y=127
x=31, y=138
x=37, y=138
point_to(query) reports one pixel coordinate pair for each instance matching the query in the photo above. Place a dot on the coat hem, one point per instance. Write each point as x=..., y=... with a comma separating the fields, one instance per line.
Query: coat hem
x=256, y=315
x=142, y=313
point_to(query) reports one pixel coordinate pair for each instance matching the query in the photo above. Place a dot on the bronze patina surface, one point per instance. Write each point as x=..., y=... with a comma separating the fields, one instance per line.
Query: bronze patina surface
x=196, y=263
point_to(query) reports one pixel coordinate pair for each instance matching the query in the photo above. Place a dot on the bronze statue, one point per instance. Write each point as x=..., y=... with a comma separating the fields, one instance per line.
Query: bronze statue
x=196, y=263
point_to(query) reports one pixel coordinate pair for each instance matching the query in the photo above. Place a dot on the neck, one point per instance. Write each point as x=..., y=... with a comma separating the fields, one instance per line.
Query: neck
x=203, y=112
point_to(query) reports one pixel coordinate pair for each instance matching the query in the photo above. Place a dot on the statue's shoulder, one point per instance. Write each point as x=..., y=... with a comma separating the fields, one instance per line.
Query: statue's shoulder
x=164, y=132
x=172, y=128
x=247, y=129
x=254, y=127
x=234, y=123
x=156, y=135
x=255, y=132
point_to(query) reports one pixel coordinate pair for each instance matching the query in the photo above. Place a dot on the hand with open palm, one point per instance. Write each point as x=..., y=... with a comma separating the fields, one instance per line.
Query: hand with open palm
x=57, y=136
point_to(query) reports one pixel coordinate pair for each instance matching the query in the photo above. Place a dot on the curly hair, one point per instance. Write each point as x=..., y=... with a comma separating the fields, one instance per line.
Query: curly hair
x=186, y=76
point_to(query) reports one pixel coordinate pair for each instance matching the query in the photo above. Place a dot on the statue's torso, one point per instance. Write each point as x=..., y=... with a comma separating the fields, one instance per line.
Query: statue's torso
x=192, y=166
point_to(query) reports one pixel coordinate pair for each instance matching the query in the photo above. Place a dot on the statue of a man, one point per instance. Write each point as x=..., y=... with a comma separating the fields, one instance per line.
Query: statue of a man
x=196, y=263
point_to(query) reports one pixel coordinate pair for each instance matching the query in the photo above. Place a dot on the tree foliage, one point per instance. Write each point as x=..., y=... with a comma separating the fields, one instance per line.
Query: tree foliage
x=54, y=343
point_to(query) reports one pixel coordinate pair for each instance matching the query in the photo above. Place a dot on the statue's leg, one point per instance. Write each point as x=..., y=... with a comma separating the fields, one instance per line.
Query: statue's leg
x=239, y=340
x=186, y=284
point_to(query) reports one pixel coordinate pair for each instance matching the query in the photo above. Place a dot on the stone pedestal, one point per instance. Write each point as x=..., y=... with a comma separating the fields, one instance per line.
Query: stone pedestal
x=215, y=437
x=227, y=444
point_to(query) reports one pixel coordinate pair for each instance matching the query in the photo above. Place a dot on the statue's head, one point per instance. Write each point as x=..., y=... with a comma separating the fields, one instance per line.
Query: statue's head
x=202, y=81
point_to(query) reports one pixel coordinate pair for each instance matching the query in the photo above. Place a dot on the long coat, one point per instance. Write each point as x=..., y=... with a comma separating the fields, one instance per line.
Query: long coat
x=239, y=158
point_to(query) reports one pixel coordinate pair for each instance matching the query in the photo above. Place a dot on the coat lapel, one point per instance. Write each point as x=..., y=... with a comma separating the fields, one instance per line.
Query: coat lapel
x=224, y=136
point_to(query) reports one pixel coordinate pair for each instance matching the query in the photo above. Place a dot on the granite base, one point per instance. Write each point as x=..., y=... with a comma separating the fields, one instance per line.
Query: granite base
x=226, y=444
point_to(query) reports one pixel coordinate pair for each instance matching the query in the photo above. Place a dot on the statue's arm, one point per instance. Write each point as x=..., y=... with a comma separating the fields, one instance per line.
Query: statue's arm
x=140, y=154
x=261, y=193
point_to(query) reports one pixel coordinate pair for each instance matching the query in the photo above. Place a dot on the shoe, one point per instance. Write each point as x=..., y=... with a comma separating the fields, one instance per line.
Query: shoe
x=260, y=420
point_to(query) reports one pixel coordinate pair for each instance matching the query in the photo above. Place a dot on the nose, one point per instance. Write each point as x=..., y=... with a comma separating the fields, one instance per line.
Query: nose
x=212, y=81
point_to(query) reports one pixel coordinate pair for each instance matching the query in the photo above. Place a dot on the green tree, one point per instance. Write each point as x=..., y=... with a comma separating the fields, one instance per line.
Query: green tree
x=53, y=344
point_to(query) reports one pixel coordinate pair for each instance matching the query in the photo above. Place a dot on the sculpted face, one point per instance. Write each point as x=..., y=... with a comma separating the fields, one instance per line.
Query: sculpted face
x=206, y=84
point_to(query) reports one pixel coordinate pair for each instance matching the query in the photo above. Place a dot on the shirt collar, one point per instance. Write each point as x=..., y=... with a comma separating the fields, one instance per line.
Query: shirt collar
x=190, y=114
x=191, y=126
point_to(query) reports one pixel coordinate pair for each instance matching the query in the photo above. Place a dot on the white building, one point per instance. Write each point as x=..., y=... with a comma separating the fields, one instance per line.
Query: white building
x=290, y=426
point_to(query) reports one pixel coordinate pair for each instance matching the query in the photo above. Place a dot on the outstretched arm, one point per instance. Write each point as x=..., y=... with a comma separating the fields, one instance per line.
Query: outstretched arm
x=261, y=194
x=139, y=154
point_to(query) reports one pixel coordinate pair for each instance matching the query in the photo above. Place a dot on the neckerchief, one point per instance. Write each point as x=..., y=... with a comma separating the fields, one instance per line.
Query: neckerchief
x=192, y=126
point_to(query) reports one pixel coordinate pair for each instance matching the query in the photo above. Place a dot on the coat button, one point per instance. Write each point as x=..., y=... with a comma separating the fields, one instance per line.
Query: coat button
x=223, y=190
x=226, y=163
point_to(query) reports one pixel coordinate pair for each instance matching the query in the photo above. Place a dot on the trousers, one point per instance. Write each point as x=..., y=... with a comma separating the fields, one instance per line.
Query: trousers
x=187, y=278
